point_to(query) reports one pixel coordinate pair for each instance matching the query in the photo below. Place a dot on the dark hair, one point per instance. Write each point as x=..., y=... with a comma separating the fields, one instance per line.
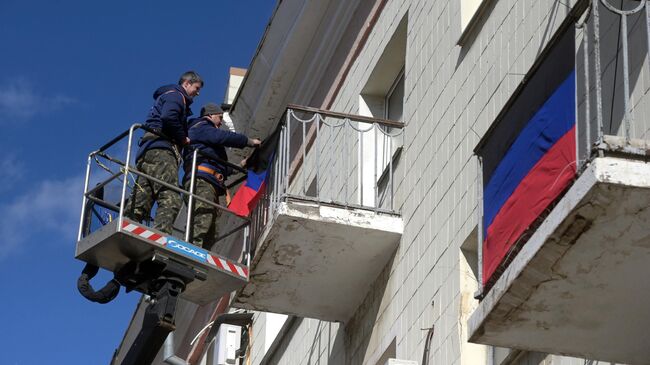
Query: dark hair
x=190, y=76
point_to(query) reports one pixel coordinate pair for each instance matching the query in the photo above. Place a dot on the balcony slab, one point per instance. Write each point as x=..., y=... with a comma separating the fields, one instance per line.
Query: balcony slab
x=579, y=286
x=319, y=261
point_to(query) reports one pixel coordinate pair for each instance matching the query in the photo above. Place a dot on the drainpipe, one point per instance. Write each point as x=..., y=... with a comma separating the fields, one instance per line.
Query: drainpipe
x=168, y=352
x=427, y=345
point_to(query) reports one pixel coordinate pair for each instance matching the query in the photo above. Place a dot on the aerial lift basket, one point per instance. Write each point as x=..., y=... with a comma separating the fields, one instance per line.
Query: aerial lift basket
x=115, y=245
x=123, y=242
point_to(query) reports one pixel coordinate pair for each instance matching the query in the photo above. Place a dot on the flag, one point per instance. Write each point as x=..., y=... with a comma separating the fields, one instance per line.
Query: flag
x=529, y=157
x=258, y=168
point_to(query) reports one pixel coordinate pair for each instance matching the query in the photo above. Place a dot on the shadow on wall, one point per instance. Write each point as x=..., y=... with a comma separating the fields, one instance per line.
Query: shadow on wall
x=359, y=331
x=345, y=343
x=320, y=345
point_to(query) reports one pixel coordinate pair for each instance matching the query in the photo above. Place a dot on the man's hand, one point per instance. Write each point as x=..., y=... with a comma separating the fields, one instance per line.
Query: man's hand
x=187, y=141
x=243, y=162
x=254, y=142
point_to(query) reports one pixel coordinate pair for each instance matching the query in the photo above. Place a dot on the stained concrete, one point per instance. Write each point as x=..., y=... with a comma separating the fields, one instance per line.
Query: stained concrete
x=319, y=261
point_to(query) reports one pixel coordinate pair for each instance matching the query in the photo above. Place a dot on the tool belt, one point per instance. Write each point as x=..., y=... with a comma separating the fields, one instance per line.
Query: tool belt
x=219, y=178
x=212, y=172
x=148, y=136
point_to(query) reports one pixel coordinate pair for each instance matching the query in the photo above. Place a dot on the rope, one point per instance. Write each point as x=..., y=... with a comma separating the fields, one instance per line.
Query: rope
x=201, y=332
x=562, y=171
x=100, y=164
x=119, y=178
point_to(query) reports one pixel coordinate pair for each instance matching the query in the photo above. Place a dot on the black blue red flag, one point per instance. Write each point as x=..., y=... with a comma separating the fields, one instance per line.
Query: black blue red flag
x=258, y=167
x=529, y=157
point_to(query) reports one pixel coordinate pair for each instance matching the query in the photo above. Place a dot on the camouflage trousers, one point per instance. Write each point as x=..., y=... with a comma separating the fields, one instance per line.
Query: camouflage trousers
x=204, y=216
x=163, y=165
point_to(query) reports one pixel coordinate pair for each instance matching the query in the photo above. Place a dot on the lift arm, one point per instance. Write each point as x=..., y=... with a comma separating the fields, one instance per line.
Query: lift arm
x=158, y=320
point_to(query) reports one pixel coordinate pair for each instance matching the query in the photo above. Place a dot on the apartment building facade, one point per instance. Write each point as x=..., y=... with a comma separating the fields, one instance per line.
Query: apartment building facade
x=394, y=116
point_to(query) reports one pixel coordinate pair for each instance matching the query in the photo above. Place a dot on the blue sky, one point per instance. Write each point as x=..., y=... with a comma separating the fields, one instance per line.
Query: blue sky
x=72, y=75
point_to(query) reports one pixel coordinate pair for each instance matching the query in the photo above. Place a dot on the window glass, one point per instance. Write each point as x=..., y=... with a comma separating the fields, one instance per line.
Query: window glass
x=395, y=100
x=467, y=10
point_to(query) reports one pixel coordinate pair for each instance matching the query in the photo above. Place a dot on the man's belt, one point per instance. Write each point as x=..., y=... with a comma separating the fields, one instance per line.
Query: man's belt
x=150, y=136
x=212, y=172
x=219, y=178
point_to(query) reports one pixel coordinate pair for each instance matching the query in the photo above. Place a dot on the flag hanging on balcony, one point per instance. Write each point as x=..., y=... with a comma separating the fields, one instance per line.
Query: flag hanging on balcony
x=258, y=168
x=529, y=156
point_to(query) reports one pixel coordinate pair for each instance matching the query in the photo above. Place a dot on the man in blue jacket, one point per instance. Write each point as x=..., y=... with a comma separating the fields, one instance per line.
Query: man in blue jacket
x=159, y=156
x=211, y=174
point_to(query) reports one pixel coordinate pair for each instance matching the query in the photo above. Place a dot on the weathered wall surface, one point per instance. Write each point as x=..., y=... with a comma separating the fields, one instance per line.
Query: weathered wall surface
x=452, y=95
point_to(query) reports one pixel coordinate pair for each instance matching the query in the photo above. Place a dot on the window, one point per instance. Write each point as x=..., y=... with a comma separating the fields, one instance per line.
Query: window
x=468, y=9
x=395, y=99
x=383, y=97
x=390, y=147
x=472, y=16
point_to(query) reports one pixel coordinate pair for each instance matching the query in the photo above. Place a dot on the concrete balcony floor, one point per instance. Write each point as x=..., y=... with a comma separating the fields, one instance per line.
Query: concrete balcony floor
x=579, y=286
x=319, y=261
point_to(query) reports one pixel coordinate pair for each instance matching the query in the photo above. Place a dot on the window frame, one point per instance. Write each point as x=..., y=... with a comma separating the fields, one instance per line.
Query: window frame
x=399, y=78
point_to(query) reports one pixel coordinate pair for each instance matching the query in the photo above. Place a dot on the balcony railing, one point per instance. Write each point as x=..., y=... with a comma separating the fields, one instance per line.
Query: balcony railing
x=329, y=214
x=611, y=90
x=331, y=158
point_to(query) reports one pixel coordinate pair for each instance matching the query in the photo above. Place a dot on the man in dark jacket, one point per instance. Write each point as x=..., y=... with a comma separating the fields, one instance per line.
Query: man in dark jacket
x=211, y=174
x=159, y=156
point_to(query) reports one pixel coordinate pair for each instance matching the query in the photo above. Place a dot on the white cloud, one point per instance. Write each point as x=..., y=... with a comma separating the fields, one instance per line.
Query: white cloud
x=19, y=100
x=11, y=172
x=51, y=208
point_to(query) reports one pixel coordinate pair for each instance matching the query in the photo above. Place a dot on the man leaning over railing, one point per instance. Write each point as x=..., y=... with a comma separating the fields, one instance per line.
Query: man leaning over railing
x=159, y=157
x=211, y=174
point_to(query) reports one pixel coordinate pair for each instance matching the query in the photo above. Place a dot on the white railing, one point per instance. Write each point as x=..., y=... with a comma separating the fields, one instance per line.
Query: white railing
x=331, y=158
x=612, y=55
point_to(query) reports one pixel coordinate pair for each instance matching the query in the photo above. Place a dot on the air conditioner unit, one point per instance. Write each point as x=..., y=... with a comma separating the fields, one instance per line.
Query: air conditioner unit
x=224, y=348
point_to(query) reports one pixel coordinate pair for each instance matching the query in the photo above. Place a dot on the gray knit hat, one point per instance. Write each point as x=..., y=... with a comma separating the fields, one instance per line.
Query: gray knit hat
x=211, y=108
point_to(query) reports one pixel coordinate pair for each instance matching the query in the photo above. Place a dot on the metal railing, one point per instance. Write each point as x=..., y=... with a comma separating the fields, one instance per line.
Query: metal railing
x=127, y=172
x=611, y=96
x=331, y=158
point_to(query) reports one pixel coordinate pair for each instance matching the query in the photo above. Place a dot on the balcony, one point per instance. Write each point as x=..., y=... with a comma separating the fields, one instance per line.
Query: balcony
x=327, y=224
x=571, y=281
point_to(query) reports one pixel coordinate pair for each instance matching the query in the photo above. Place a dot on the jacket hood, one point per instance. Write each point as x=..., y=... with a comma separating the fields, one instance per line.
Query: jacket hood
x=163, y=89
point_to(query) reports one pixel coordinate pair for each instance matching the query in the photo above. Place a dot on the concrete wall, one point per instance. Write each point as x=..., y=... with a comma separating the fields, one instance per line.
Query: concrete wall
x=452, y=95
x=266, y=327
